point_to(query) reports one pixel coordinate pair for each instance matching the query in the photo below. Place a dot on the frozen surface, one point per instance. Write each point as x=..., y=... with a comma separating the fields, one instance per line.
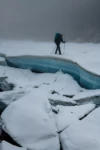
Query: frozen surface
x=86, y=54
x=31, y=122
x=86, y=93
x=6, y=146
x=87, y=59
x=9, y=96
x=47, y=81
x=83, y=135
x=68, y=116
x=56, y=97
x=2, y=59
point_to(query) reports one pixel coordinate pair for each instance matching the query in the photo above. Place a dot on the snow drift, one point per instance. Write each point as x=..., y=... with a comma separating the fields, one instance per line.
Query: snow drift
x=31, y=123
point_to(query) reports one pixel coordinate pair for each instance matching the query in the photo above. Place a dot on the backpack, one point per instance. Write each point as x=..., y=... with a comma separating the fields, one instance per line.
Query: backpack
x=57, y=36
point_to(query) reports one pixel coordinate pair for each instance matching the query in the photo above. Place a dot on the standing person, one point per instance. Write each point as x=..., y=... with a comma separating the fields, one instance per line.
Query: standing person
x=58, y=39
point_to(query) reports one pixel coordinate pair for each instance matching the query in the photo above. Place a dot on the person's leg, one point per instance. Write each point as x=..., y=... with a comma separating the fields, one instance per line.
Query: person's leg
x=59, y=50
x=56, y=51
x=56, y=48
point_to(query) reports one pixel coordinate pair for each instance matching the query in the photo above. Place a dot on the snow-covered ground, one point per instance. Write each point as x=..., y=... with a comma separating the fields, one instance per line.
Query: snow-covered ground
x=86, y=54
x=31, y=122
x=7, y=146
x=83, y=135
x=47, y=109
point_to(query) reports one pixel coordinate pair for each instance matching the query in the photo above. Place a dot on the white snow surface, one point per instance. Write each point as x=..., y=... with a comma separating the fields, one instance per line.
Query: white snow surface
x=6, y=146
x=86, y=54
x=83, y=135
x=67, y=116
x=9, y=96
x=31, y=122
x=47, y=81
x=86, y=94
x=2, y=59
x=56, y=97
x=29, y=119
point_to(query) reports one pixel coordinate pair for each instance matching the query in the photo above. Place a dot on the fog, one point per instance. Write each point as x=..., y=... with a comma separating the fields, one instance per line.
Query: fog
x=77, y=20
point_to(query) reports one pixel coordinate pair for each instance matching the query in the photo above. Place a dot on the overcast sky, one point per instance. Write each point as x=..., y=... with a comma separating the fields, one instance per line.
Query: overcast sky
x=41, y=19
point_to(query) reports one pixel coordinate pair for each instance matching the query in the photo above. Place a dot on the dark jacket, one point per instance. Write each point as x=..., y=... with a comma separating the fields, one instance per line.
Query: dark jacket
x=58, y=38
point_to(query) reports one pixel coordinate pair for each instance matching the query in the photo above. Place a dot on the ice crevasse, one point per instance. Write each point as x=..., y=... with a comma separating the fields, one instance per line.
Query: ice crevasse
x=52, y=64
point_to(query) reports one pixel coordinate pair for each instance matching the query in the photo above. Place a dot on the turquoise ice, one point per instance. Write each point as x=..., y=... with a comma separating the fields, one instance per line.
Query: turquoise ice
x=52, y=64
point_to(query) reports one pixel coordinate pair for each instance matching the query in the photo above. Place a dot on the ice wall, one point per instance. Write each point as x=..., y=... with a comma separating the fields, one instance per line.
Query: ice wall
x=53, y=64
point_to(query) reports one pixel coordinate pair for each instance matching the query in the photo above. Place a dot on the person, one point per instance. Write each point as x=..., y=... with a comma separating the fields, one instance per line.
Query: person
x=58, y=39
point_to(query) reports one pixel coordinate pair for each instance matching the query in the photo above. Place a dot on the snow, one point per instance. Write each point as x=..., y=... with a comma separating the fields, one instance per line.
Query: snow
x=2, y=59
x=83, y=134
x=29, y=118
x=19, y=77
x=65, y=85
x=56, y=97
x=31, y=122
x=6, y=146
x=67, y=116
x=47, y=81
x=9, y=96
x=86, y=54
x=86, y=94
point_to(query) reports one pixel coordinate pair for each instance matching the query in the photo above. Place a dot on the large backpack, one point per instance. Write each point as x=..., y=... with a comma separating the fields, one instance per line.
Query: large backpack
x=57, y=36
